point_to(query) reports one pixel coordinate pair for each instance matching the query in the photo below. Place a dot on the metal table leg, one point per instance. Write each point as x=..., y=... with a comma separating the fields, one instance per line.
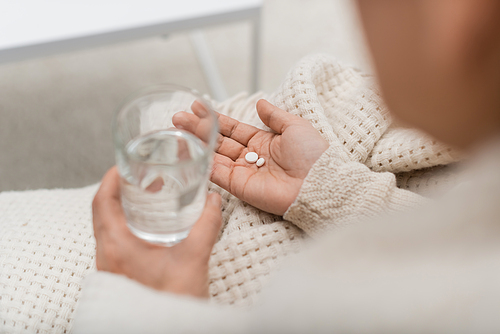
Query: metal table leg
x=208, y=65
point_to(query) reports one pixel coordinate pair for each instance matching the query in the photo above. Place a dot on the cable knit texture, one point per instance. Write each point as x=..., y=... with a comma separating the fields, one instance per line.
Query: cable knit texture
x=46, y=241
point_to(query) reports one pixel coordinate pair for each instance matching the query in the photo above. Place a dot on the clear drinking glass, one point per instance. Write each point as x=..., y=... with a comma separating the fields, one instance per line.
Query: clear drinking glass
x=164, y=170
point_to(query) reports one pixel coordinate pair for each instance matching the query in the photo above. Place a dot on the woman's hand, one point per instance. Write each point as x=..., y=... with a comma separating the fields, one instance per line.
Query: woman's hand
x=289, y=152
x=181, y=269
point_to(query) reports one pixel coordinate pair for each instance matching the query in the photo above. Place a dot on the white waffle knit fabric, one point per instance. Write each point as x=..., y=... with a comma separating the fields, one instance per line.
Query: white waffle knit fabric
x=46, y=239
x=46, y=249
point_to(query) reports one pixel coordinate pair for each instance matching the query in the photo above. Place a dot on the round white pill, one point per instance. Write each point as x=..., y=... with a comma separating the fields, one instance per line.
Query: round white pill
x=260, y=162
x=251, y=157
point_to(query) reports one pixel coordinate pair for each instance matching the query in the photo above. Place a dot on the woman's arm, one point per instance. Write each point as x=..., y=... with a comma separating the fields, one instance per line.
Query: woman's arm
x=336, y=193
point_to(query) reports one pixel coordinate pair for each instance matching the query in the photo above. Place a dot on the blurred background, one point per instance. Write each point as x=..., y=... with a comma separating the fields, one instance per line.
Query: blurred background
x=55, y=111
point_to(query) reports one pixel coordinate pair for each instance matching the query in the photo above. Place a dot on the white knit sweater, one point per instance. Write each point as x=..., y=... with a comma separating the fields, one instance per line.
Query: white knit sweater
x=435, y=270
x=46, y=241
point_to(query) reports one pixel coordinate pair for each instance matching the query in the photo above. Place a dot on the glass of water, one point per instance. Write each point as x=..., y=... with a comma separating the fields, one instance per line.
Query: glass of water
x=164, y=170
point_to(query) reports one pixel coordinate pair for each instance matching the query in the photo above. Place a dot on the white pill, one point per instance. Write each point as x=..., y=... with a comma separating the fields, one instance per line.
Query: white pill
x=260, y=162
x=251, y=157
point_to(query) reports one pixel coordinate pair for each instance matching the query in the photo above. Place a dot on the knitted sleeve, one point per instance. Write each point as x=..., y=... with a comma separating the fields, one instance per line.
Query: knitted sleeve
x=113, y=303
x=338, y=192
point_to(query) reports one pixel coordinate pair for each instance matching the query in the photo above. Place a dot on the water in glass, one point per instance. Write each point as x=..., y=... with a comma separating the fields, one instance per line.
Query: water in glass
x=164, y=184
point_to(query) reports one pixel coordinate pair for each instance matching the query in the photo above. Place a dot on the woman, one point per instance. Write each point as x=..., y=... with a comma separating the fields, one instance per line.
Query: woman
x=438, y=65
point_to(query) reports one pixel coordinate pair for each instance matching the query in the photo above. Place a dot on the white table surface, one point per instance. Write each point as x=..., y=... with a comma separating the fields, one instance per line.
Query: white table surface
x=30, y=28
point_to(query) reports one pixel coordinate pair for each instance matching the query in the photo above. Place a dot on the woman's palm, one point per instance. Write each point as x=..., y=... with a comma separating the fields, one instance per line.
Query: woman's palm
x=289, y=154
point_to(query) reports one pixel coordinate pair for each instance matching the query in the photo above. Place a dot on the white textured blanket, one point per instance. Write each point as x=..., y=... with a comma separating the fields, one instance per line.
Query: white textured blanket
x=46, y=240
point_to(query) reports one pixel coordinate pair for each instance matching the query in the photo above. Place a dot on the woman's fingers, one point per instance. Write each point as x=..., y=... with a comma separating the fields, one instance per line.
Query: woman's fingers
x=199, y=109
x=229, y=147
x=204, y=233
x=234, y=176
x=274, y=117
x=108, y=218
x=200, y=127
x=110, y=185
x=228, y=126
x=192, y=123
x=107, y=210
x=221, y=171
x=240, y=132
x=186, y=121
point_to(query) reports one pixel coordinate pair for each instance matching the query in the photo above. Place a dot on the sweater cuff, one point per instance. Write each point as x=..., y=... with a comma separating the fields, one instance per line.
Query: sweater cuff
x=337, y=193
x=316, y=193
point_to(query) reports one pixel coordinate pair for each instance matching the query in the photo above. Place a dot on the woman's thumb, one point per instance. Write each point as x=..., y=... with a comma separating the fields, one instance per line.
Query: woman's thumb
x=206, y=229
